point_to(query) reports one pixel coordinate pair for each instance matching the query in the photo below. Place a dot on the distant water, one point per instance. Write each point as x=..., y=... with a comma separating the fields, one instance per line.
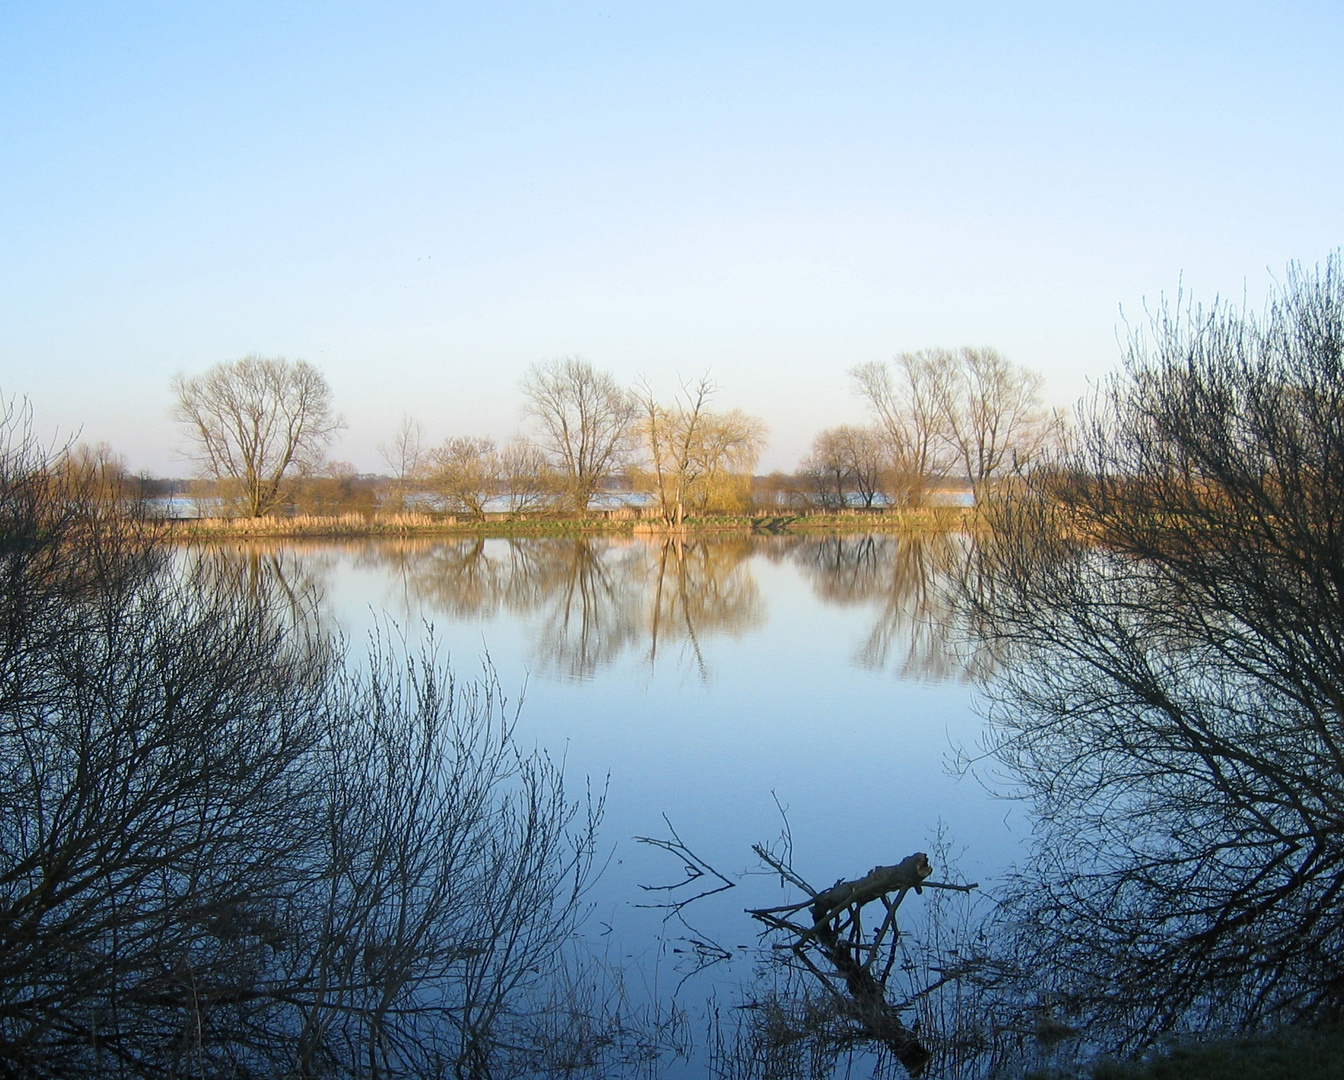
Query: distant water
x=705, y=682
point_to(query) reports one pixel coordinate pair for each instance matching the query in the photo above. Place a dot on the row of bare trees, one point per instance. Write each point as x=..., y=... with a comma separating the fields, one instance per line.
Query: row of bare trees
x=589, y=430
x=257, y=425
x=939, y=415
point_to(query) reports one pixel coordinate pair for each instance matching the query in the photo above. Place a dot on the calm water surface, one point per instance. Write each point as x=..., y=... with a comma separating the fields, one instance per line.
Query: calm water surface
x=703, y=682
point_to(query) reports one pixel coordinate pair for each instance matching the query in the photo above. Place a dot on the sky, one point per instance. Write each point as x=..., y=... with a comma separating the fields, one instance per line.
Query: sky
x=424, y=199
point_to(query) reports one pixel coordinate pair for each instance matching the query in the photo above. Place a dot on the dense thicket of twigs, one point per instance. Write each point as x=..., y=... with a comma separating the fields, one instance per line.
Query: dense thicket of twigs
x=221, y=854
x=1167, y=607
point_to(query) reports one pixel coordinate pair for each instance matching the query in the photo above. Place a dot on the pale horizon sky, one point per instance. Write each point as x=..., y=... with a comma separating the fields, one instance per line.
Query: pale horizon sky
x=424, y=199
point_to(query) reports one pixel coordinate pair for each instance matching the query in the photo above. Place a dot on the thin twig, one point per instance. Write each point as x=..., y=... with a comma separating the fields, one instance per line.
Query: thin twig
x=694, y=866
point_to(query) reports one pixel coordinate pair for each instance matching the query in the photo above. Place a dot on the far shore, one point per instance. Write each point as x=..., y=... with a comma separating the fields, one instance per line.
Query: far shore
x=609, y=523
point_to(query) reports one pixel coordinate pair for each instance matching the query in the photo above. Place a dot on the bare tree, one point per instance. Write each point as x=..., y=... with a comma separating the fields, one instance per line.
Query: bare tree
x=224, y=853
x=587, y=422
x=993, y=417
x=941, y=410
x=465, y=472
x=906, y=399
x=1165, y=604
x=699, y=459
x=254, y=421
x=784, y=491
x=669, y=437
x=403, y=455
x=103, y=465
x=527, y=479
x=847, y=461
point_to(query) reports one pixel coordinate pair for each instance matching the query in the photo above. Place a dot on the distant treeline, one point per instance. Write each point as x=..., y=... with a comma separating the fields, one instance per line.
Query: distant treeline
x=260, y=429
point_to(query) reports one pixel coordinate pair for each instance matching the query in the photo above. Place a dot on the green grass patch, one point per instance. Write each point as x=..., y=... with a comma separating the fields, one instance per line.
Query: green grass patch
x=1289, y=1054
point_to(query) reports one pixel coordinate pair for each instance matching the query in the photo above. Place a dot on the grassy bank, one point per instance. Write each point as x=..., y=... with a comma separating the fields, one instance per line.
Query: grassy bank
x=622, y=522
x=1290, y=1054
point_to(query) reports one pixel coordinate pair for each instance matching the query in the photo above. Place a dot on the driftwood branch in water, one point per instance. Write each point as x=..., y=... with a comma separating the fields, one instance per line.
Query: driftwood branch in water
x=836, y=936
x=909, y=873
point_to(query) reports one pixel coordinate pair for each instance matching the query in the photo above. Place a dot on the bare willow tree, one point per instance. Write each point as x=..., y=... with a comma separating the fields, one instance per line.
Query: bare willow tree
x=1166, y=604
x=586, y=421
x=253, y=422
x=730, y=444
x=699, y=459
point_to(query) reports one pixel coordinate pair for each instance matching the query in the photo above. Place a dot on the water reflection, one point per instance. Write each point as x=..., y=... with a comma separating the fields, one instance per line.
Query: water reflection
x=590, y=601
x=806, y=645
x=291, y=578
x=907, y=577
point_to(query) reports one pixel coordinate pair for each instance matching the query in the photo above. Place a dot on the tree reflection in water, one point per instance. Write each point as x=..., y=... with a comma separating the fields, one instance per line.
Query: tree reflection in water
x=298, y=573
x=594, y=600
x=907, y=575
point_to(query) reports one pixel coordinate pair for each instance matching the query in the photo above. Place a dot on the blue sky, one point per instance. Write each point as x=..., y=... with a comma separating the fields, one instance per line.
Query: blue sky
x=423, y=199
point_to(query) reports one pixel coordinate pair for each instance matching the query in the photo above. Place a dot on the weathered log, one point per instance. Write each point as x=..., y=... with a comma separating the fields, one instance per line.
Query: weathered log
x=836, y=937
x=909, y=873
x=868, y=1003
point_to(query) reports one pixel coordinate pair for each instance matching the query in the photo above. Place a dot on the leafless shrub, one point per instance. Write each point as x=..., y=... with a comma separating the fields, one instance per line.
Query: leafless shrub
x=224, y=853
x=1165, y=606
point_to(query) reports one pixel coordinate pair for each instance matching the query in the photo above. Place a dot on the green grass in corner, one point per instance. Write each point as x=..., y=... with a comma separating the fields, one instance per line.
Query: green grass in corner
x=1291, y=1054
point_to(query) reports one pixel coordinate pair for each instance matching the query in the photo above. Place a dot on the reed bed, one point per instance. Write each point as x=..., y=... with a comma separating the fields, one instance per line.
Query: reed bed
x=621, y=522
x=314, y=525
